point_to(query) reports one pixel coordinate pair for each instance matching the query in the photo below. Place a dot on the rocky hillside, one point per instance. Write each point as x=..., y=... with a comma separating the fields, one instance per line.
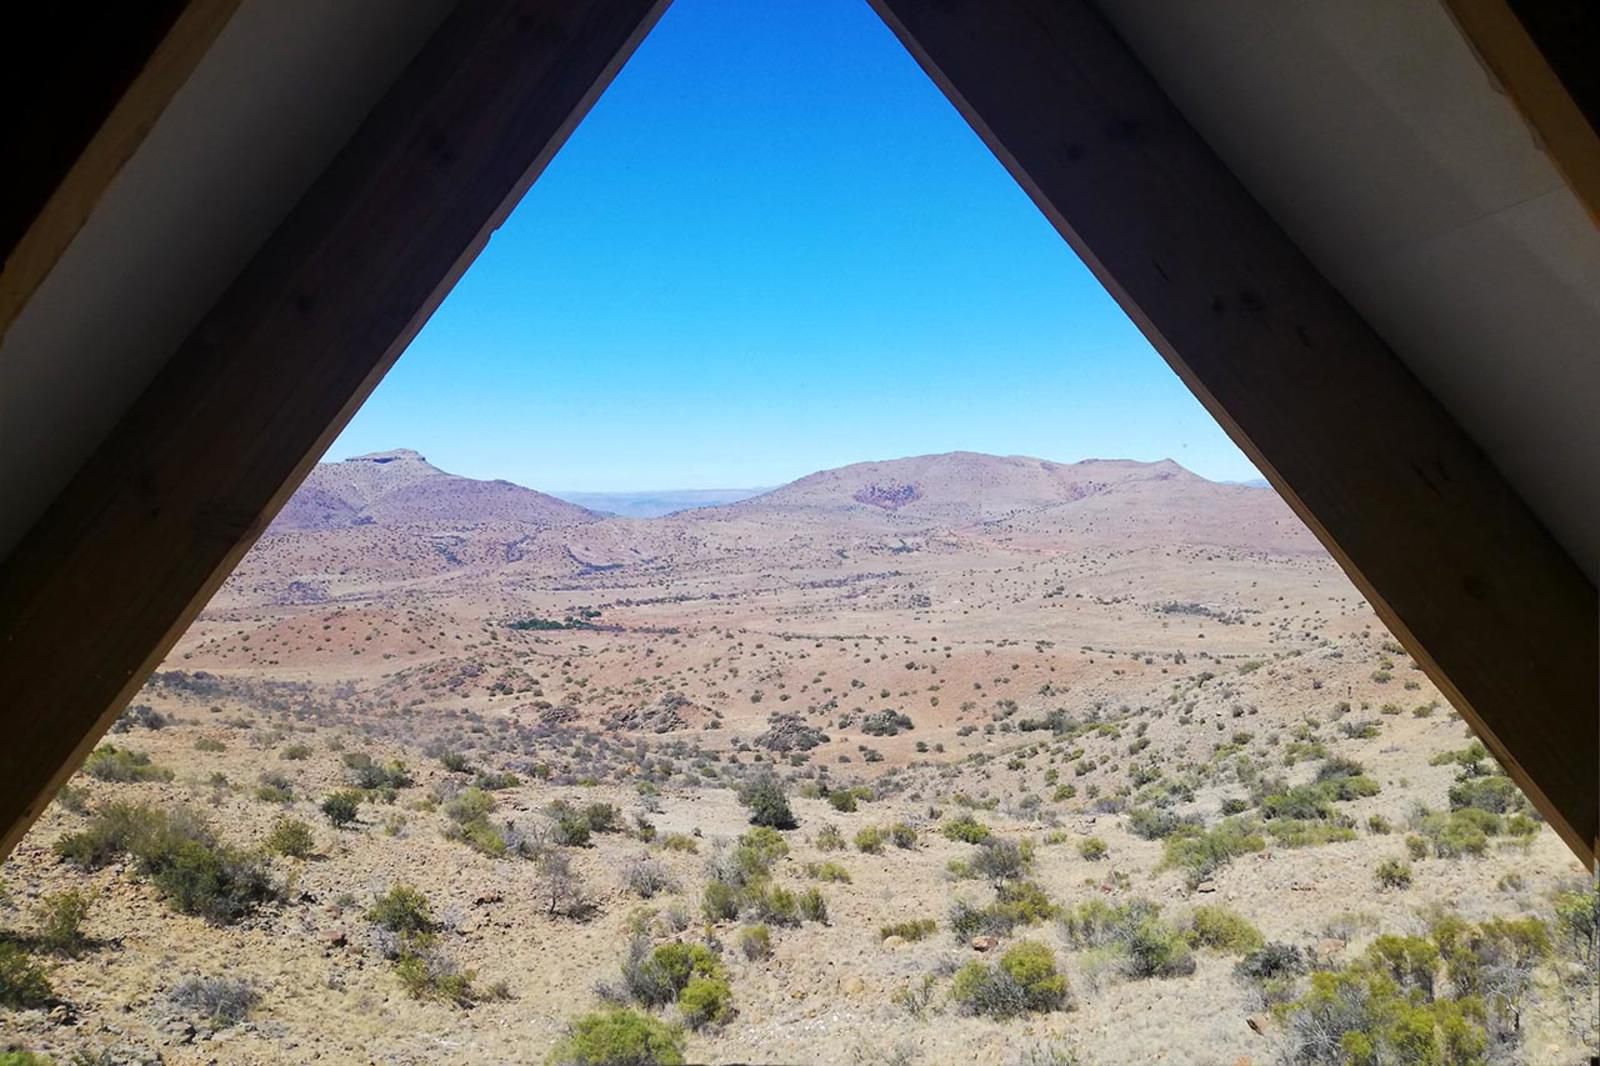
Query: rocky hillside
x=401, y=488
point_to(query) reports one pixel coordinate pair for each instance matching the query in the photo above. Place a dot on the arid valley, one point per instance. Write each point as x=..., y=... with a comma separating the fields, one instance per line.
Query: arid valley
x=958, y=758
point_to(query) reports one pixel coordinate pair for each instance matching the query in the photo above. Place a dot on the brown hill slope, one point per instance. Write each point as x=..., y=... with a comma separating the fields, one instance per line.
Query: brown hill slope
x=401, y=488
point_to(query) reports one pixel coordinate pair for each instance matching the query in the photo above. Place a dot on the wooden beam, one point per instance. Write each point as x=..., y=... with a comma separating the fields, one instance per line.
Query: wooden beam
x=1452, y=559
x=98, y=591
x=111, y=73
x=1545, y=54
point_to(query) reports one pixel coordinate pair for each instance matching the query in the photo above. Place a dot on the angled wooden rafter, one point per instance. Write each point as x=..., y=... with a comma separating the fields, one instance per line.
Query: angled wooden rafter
x=1449, y=555
x=109, y=578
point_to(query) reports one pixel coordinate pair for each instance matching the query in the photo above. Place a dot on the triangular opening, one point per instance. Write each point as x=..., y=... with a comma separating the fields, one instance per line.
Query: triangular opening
x=777, y=462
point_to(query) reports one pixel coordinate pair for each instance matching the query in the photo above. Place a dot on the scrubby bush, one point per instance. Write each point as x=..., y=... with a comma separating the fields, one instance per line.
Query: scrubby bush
x=1201, y=854
x=619, y=1037
x=341, y=808
x=680, y=842
x=1222, y=930
x=180, y=854
x=559, y=888
x=1093, y=849
x=842, y=800
x=999, y=859
x=719, y=902
x=296, y=752
x=368, y=774
x=965, y=829
x=646, y=878
x=1155, y=949
x=273, y=787
x=885, y=723
x=706, y=1001
x=210, y=745
x=902, y=835
x=219, y=1001
x=768, y=803
x=830, y=839
x=755, y=941
x=1393, y=873
x=1271, y=961
x=870, y=839
x=23, y=982
x=828, y=871
x=111, y=763
x=1495, y=793
x=813, y=905
x=403, y=909
x=291, y=837
x=914, y=930
x=1025, y=980
x=59, y=917
x=1016, y=903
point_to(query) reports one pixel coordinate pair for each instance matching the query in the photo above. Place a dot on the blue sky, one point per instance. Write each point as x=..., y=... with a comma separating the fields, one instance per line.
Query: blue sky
x=774, y=247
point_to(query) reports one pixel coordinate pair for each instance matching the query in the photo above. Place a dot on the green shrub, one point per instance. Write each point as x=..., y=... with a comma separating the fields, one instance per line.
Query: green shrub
x=1379, y=825
x=813, y=906
x=1393, y=873
x=23, y=982
x=830, y=839
x=209, y=744
x=341, y=808
x=680, y=842
x=59, y=917
x=719, y=902
x=902, y=835
x=654, y=978
x=1495, y=793
x=111, y=763
x=180, y=854
x=456, y=762
x=111, y=832
x=1220, y=929
x=1016, y=903
x=828, y=871
x=1203, y=853
x=471, y=805
x=402, y=909
x=291, y=837
x=998, y=859
x=296, y=752
x=771, y=903
x=768, y=803
x=1024, y=981
x=755, y=941
x=1302, y=833
x=1155, y=949
x=965, y=829
x=914, y=930
x=619, y=1037
x=273, y=787
x=842, y=800
x=870, y=839
x=1093, y=849
x=706, y=1001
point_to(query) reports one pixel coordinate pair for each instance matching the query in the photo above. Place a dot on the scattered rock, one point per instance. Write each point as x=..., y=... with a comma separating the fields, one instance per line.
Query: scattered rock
x=894, y=943
x=63, y=1014
x=1206, y=886
x=985, y=943
x=336, y=937
x=1258, y=1023
x=852, y=985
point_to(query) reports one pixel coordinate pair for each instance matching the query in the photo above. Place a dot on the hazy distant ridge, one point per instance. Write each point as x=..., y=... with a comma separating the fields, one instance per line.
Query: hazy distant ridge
x=657, y=503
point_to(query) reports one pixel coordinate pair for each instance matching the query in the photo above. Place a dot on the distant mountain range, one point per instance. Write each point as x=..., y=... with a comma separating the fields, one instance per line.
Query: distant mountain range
x=874, y=505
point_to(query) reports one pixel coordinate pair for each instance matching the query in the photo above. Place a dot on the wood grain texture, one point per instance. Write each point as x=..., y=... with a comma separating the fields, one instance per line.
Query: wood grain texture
x=102, y=586
x=1451, y=558
x=162, y=69
x=1546, y=56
